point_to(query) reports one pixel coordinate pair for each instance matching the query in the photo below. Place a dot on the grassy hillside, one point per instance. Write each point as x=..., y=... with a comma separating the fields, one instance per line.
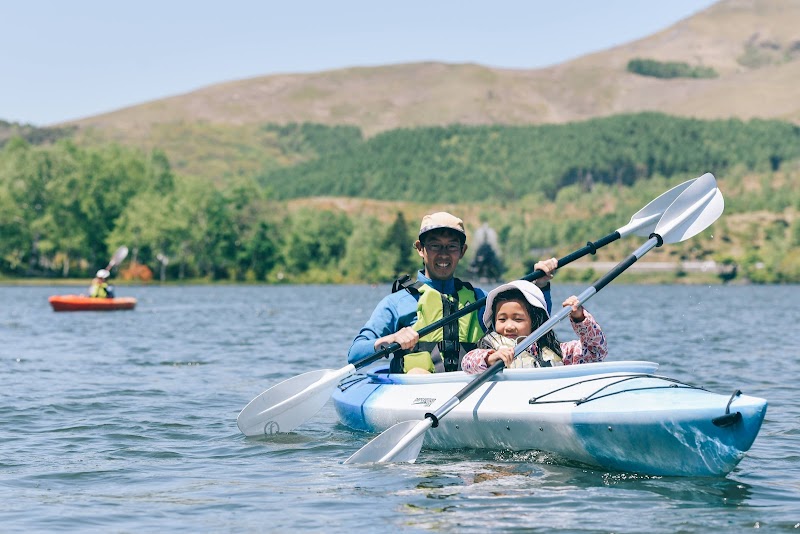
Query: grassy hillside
x=753, y=44
x=216, y=132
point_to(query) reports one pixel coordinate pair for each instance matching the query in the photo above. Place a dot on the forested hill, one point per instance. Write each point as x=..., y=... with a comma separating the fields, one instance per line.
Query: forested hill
x=474, y=163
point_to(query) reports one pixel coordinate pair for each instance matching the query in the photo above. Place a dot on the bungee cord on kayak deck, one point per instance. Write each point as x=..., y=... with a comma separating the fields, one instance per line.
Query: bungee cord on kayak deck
x=622, y=378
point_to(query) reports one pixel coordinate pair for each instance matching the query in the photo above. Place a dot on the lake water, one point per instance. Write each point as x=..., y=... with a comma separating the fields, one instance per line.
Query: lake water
x=126, y=421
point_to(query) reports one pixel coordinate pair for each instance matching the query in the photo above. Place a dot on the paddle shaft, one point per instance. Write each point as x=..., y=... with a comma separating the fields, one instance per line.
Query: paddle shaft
x=590, y=248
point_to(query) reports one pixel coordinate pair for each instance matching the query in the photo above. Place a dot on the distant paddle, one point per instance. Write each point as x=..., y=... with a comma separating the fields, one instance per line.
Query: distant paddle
x=694, y=210
x=120, y=254
x=290, y=403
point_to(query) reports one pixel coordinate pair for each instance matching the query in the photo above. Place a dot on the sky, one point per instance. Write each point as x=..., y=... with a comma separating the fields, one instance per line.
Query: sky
x=64, y=60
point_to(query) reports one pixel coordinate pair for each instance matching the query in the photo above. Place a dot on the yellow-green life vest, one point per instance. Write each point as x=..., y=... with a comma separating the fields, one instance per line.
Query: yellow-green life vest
x=442, y=349
x=98, y=290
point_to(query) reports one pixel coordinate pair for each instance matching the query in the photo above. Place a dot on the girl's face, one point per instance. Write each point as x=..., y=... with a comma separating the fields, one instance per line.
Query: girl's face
x=512, y=319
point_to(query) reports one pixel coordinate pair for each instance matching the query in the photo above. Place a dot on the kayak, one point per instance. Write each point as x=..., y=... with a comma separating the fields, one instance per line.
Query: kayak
x=84, y=303
x=614, y=415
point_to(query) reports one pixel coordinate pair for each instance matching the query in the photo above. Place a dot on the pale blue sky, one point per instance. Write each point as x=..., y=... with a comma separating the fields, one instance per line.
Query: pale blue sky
x=65, y=60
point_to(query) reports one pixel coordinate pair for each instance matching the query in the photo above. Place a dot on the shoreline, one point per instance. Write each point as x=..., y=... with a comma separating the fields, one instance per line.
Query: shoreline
x=567, y=275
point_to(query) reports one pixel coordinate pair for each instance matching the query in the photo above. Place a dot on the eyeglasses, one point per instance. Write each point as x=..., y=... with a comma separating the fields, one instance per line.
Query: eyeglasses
x=450, y=248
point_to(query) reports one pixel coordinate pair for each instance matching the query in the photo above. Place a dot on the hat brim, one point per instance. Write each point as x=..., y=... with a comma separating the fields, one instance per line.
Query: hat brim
x=429, y=229
x=529, y=291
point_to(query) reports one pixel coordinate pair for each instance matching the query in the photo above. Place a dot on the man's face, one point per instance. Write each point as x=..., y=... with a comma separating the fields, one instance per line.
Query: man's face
x=441, y=252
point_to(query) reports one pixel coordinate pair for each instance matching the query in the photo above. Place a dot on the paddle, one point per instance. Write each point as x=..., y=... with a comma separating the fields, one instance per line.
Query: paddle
x=694, y=210
x=120, y=254
x=289, y=404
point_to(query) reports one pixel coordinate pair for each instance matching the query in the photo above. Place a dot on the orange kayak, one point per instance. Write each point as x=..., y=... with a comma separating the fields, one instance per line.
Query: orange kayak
x=84, y=303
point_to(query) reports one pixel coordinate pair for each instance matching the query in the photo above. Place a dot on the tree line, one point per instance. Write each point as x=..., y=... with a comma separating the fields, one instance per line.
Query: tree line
x=33, y=134
x=64, y=208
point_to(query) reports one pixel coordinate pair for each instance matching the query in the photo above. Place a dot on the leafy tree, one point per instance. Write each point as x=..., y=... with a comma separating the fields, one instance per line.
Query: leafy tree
x=316, y=239
x=148, y=226
x=368, y=259
x=261, y=251
x=15, y=236
x=399, y=242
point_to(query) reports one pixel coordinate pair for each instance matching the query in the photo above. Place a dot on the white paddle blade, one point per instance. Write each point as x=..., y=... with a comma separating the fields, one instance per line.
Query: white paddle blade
x=693, y=211
x=399, y=443
x=120, y=254
x=644, y=221
x=287, y=405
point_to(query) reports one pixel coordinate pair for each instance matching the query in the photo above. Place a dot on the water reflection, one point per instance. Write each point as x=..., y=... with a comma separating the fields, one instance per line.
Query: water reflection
x=686, y=491
x=550, y=497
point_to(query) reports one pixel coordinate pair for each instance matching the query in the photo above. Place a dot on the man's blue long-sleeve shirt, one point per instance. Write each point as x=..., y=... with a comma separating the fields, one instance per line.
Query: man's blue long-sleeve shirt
x=399, y=310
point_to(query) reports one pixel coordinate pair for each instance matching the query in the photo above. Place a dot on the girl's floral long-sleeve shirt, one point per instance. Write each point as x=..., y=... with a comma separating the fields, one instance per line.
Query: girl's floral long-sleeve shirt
x=591, y=347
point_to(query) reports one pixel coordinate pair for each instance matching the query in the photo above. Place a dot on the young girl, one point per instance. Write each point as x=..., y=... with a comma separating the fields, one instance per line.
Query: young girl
x=516, y=309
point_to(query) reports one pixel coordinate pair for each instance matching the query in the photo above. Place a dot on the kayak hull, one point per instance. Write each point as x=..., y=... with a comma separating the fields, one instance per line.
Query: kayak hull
x=614, y=415
x=84, y=303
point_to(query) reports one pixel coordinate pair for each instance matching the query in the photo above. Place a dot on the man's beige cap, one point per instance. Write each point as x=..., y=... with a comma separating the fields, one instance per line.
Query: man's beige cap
x=441, y=219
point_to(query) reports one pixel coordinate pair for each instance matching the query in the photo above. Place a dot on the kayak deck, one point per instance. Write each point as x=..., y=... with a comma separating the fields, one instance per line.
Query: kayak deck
x=84, y=303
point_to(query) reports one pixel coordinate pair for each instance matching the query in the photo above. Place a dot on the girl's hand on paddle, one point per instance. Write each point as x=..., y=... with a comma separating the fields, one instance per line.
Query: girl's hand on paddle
x=576, y=314
x=504, y=353
x=549, y=268
x=406, y=337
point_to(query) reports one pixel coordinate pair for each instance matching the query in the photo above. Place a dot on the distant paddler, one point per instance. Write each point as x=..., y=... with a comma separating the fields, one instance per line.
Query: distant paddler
x=100, y=288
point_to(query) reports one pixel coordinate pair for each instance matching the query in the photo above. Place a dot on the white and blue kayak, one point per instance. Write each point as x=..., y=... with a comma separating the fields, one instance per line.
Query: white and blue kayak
x=614, y=415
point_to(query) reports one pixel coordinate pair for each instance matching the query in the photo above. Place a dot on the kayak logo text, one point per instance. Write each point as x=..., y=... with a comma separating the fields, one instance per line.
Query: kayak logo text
x=271, y=428
x=424, y=401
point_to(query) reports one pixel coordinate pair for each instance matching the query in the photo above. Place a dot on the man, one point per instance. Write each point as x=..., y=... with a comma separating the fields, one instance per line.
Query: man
x=100, y=287
x=441, y=244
